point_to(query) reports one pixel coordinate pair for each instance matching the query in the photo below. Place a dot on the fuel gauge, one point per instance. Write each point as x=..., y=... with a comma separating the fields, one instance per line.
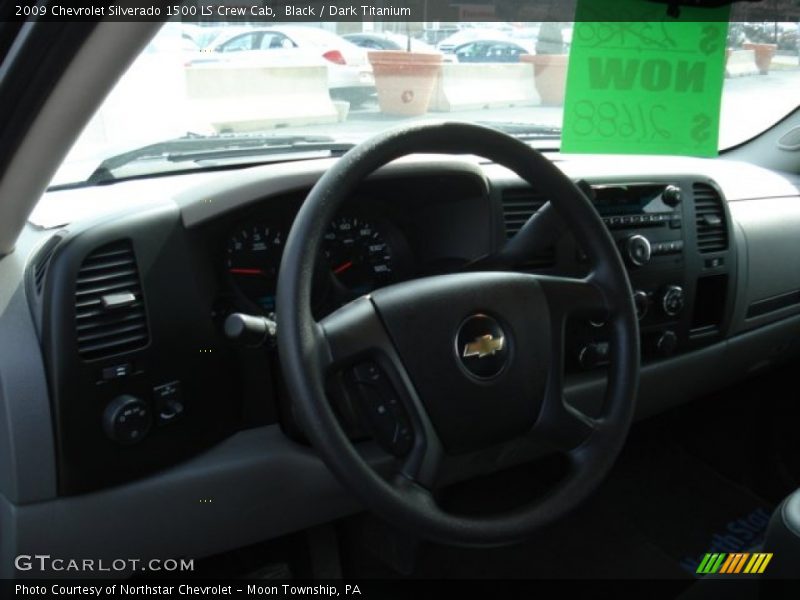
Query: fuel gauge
x=253, y=258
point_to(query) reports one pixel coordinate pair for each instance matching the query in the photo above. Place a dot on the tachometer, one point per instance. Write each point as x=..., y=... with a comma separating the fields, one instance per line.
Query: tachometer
x=359, y=255
x=253, y=258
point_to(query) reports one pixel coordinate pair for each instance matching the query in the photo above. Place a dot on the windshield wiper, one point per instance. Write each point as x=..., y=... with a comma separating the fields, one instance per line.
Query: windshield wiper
x=525, y=131
x=196, y=148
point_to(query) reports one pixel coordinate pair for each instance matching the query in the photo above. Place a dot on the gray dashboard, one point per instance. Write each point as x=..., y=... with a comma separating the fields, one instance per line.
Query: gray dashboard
x=264, y=484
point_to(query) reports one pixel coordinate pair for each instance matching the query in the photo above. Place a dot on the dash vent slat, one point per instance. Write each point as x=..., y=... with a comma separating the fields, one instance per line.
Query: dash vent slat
x=100, y=332
x=712, y=228
x=519, y=203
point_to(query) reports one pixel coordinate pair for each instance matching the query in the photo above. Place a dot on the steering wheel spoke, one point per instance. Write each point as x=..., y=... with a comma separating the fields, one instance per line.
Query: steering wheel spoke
x=358, y=343
x=352, y=333
x=572, y=297
x=559, y=424
x=563, y=426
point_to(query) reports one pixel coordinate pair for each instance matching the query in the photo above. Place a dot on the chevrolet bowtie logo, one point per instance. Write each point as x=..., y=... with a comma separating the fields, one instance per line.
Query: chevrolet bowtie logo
x=485, y=345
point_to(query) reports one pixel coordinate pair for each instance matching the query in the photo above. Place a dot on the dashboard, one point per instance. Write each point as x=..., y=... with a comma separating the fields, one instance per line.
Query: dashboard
x=148, y=402
x=388, y=233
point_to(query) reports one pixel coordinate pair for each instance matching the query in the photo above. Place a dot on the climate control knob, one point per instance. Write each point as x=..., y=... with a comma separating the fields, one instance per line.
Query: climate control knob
x=667, y=343
x=672, y=300
x=641, y=302
x=593, y=355
x=127, y=419
x=638, y=249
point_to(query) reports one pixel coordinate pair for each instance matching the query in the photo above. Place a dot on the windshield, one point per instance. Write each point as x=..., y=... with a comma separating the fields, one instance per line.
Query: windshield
x=213, y=95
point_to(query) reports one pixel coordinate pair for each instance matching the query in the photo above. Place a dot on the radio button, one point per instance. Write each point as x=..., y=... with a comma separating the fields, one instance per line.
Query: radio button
x=671, y=195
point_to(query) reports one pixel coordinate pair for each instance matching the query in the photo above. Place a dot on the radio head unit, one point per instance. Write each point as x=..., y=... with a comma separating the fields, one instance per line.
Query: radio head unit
x=636, y=199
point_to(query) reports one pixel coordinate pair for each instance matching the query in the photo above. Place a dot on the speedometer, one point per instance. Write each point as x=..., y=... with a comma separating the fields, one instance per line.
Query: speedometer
x=253, y=257
x=359, y=255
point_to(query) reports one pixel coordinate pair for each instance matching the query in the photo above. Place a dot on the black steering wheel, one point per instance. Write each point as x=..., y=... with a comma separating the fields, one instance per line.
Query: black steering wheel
x=468, y=360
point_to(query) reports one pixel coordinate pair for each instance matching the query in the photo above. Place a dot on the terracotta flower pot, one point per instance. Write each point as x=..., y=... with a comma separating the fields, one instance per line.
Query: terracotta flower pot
x=549, y=75
x=405, y=80
x=763, y=55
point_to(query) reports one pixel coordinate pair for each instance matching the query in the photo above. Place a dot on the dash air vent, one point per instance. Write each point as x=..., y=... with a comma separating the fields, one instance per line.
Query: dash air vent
x=519, y=203
x=712, y=230
x=518, y=206
x=110, y=315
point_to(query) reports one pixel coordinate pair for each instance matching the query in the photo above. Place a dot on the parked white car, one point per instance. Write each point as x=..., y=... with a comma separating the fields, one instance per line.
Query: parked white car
x=449, y=44
x=349, y=73
x=386, y=40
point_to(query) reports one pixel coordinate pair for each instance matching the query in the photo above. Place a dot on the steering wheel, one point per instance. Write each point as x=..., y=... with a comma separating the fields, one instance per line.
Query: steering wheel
x=464, y=361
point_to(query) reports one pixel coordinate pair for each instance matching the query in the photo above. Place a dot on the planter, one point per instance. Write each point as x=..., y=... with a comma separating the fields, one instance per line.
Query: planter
x=549, y=76
x=763, y=55
x=405, y=80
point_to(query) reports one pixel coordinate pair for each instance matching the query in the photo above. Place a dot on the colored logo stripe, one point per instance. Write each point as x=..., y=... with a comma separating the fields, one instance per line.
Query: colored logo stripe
x=734, y=563
x=710, y=563
x=758, y=563
x=731, y=564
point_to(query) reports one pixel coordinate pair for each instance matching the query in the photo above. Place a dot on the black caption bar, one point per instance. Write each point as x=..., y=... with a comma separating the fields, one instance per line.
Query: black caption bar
x=436, y=589
x=251, y=11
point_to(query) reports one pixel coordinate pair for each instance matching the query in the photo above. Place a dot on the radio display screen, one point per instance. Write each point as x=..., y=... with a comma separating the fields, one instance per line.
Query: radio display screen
x=629, y=199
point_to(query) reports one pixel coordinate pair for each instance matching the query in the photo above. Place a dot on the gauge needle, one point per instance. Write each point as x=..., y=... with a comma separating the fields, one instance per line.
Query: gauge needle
x=343, y=267
x=239, y=271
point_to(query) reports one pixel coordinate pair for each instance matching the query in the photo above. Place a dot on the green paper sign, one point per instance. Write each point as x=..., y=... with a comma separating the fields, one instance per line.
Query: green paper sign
x=644, y=87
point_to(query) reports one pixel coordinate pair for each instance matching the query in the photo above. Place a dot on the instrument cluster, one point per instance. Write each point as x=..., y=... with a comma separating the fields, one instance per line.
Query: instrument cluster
x=360, y=253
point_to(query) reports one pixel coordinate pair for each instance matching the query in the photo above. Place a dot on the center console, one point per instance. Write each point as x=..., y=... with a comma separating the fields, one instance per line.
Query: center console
x=674, y=239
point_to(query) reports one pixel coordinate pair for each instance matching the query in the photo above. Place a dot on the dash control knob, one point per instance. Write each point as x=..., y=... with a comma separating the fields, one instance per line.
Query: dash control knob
x=672, y=300
x=671, y=195
x=127, y=419
x=667, y=343
x=641, y=302
x=639, y=250
x=593, y=355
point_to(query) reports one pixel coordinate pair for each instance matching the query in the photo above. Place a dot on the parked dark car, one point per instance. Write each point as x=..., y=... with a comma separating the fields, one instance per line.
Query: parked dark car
x=492, y=51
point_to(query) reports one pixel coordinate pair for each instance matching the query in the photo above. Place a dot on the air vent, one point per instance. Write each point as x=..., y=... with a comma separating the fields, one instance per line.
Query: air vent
x=518, y=206
x=519, y=203
x=109, y=309
x=712, y=230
